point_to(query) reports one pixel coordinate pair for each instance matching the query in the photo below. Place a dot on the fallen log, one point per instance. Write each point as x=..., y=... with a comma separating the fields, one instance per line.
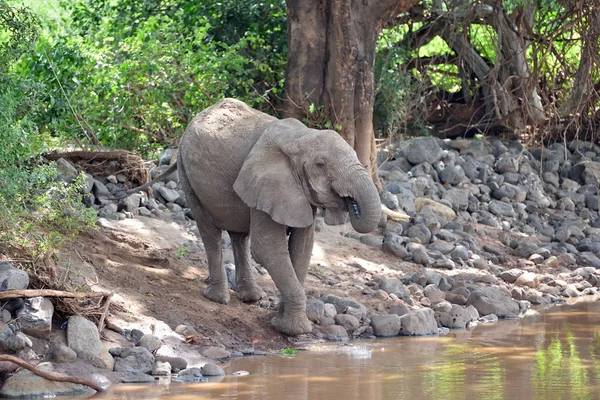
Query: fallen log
x=52, y=376
x=14, y=294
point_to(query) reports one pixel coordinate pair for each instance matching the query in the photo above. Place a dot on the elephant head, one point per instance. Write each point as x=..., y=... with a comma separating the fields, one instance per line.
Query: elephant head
x=292, y=169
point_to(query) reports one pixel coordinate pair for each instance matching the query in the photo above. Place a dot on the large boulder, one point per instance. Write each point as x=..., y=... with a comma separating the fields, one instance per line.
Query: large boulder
x=393, y=285
x=418, y=323
x=36, y=317
x=493, y=300
x=386, y=325
x=83, y=338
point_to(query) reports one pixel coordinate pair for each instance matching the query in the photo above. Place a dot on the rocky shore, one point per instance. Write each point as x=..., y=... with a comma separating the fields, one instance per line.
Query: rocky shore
x=494, y=228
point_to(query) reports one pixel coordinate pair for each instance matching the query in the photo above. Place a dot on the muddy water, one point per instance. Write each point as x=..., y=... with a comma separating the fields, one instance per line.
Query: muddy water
x=551, y=354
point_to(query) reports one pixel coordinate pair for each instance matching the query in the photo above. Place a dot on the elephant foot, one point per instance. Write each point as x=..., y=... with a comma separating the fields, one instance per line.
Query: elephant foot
x=292, y=325
x=249, y=293
x=217, y=293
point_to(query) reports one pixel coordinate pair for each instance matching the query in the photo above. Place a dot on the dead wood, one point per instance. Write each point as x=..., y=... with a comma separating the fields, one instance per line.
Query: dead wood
x=51, y=376
x=13, y=294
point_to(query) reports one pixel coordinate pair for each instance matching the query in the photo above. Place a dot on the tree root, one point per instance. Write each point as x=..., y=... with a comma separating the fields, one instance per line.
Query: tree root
x=51, y=376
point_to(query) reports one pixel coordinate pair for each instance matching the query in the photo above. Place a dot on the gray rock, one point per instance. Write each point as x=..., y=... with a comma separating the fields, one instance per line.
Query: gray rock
x=459, y=198
x=216, y=353
x=348, y=322
x=150, y=342
x=342, y=304
x=137, y=378
x=315, y=310
x=26, y=384
x=420, y=256
x=99, y=189
x=399, y=309
x=434, y=294
x=460, y=253
x=169, y=195
x=83, y=338
x=36, y=317
x=212, y=370
x=392, y=244
x=507, y=163
x=418, y=323
x=452, y=175
x=420, y=232
x=189, y=375
x=132, y=202
x=395, y=286
x=335, y=333
x=386, y=325
x=161, y=368
x=457, y=318
x=177, y=363
x=423, y=150
x=501, y=209
x=134, y=360
x=12, y=278
x=511, y=275
x=493, y=300
x=63, y=354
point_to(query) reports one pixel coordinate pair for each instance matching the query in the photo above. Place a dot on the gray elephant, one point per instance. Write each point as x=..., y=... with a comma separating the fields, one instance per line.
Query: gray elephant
x=255, y=176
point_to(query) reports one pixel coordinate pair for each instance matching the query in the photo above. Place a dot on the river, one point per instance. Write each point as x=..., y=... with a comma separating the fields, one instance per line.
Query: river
x=548, y=354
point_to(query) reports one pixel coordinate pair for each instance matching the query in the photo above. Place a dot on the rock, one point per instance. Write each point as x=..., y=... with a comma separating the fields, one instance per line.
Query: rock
x=190, y=375
x=493, y=300
x=335, y=333
x=26, y=384
x=12, y=278
x=134, y=361
x=420, y=232
x=420, y=256
x=418, y=323
x=395, y=286
x=315, y=310
x=137, y=378
x=399, y=309
x=528, y=279
x=511, y=275
x=36, y=317
x=132, y=202
x=83, y=338
x=386, y=325
x=63, y=354
x=392, y=244
x=501, y=209
x=423, y=150
x=507, y=163
x=348, y=322
x=342, y=304
x=216, y=353
x=177, y=363
x=161, y=368
x=212, y=370
x=452, y=175
x=434, y=294
x=329, y=310
x=457, y=318
x=150, y=342
x=169, y=195
x=186, y=330
x=437, y=208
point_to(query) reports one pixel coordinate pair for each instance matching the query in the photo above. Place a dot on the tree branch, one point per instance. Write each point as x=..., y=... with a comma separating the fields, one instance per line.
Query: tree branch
x=14, y=294
x=52, y=376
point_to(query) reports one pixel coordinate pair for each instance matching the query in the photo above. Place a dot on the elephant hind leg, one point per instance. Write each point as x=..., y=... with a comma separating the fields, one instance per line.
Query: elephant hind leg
x=217, y=289
x=246, y=287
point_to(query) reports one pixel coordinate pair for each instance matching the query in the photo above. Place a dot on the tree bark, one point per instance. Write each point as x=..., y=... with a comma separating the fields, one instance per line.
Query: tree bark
x=331, y=62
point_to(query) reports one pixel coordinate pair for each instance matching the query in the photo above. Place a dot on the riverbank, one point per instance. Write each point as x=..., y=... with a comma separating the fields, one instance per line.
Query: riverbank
x=494, y=229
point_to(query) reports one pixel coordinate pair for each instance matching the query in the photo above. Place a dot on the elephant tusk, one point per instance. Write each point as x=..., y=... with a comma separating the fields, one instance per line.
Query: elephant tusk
x=395, y=215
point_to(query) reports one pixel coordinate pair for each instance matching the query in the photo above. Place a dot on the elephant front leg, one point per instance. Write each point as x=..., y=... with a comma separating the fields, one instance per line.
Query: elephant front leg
x=246, y=288
x=270, y=248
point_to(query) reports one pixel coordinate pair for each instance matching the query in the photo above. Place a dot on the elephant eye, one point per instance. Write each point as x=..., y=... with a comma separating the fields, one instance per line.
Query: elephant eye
x=320, y=164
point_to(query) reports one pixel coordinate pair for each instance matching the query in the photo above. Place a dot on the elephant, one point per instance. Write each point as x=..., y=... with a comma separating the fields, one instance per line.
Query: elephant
x=262, y=180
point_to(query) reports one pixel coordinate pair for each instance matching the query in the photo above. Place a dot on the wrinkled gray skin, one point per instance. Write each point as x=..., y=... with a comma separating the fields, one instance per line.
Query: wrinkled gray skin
x=250, y=174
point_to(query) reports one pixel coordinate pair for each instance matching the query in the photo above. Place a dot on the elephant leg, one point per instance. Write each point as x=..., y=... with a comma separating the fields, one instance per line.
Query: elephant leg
x=246, y=287
x=217, y=289
x=300, y=246
x=270, y=248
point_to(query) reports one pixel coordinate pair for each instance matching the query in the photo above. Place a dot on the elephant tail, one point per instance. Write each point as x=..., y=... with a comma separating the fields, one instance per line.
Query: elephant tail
x=172, y=168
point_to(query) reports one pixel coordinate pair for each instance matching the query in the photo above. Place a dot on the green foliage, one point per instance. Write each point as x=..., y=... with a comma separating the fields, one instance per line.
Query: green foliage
x=37, y=209
x=136, y=71
x=289, y=352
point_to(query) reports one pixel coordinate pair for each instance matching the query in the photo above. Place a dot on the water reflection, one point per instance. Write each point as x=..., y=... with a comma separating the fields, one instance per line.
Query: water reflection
x=553, y=354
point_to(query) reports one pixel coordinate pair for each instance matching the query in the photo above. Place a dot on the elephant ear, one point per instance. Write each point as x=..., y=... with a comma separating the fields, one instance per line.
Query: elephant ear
x=267, y=180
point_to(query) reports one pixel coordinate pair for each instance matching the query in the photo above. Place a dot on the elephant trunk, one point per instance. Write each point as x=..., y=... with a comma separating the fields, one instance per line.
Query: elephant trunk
x=362, y=199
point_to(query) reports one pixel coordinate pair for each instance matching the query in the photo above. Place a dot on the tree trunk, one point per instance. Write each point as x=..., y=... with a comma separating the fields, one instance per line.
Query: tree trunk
x=331, y=60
